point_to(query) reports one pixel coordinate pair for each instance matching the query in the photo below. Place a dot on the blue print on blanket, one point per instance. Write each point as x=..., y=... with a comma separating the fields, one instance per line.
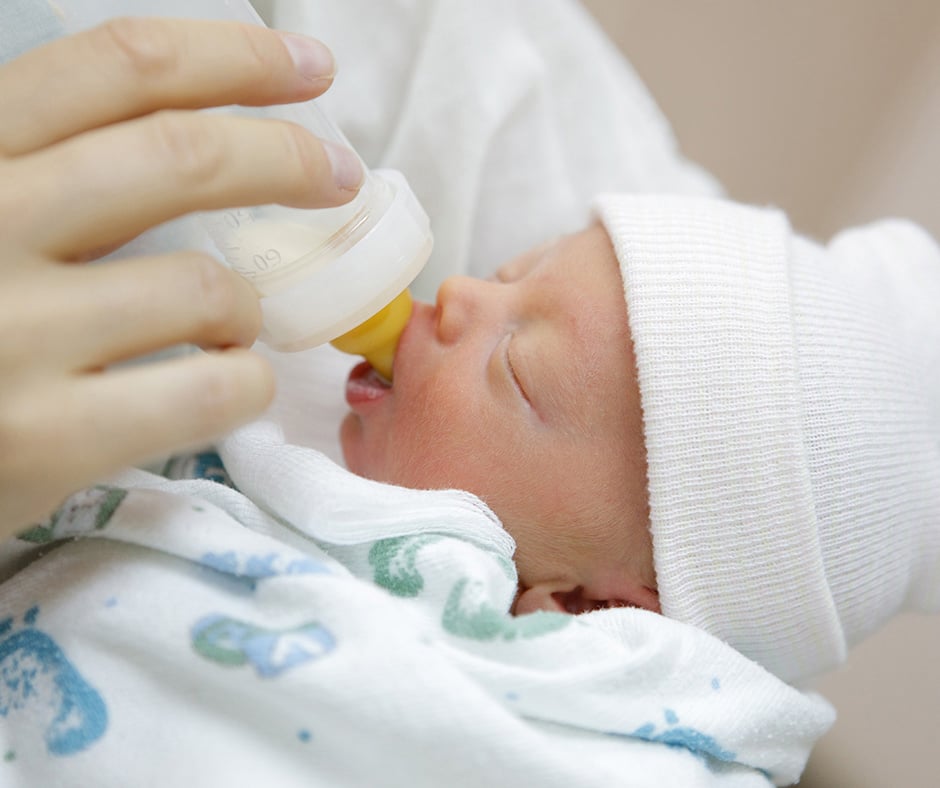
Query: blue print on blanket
x=252, y=567
x=231, y=642
x=200, y=465
x=38, y=680
x=698, y=743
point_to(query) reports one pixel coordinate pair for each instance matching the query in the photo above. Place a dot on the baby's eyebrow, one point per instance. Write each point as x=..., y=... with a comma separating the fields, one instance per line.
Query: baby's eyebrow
x=519, y=268
x=508, y=272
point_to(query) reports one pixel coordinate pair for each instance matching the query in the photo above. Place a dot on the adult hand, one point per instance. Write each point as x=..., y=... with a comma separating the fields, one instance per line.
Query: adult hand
x=99, y=141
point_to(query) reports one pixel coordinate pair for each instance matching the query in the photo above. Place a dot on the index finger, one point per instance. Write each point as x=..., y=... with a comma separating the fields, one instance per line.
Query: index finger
x=130, y=67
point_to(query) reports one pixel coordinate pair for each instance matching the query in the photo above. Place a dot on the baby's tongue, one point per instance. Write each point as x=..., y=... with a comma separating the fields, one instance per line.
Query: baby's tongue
x=365, y=383
x=376, y=380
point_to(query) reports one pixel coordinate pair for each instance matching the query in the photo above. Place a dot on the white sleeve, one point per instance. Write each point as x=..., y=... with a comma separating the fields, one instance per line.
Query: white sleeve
x=506, y=116
x=25, y=24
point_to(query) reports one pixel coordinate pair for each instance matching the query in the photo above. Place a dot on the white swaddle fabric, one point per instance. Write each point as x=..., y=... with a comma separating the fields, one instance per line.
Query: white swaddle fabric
x=506, y=117
x=306, y=489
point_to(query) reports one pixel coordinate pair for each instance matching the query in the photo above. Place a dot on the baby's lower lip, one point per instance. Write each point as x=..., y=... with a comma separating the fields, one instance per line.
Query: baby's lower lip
x=365, y=385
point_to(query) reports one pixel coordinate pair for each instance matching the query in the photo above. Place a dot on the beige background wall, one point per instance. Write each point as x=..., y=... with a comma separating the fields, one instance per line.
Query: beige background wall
x=829, y=109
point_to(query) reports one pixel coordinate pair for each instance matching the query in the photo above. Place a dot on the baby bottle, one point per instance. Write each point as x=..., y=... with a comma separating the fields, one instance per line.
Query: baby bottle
x=334, y=274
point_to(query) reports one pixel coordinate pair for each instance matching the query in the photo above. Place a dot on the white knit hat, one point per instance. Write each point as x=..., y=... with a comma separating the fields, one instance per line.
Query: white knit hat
x=791, y=405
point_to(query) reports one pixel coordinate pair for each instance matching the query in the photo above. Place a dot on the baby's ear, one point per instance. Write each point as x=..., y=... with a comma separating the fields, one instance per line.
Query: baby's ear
x=576, y=599
x=540, y=597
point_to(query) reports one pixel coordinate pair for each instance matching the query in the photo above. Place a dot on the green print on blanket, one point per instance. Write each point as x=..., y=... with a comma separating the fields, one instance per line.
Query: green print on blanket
x=86, y=510
x=467, y=612
x=393, y=562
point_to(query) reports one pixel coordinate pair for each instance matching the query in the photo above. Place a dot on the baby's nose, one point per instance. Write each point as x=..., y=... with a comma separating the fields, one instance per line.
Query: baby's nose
x=461, y=302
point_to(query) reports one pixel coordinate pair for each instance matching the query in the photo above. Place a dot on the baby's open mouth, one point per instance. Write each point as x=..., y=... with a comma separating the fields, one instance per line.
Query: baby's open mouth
x=365, y=385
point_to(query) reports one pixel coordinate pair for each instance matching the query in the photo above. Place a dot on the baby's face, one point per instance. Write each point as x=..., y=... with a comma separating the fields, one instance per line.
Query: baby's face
x=522, y=390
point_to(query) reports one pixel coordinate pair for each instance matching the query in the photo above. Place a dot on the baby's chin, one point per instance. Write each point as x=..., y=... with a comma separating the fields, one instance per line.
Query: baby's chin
x=390, y=463
x=360, y=458
x=350, y=441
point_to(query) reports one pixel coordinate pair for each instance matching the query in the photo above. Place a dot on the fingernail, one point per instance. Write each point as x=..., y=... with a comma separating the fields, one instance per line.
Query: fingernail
x=348, y=173
x=311, y=58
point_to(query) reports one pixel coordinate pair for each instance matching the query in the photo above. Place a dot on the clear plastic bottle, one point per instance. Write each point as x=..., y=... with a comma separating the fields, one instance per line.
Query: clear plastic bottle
x=321, y=274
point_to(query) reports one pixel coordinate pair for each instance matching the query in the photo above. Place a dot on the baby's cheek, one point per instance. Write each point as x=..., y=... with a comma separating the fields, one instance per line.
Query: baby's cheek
x=421, y=459
x=440, y=455
x=446, y=432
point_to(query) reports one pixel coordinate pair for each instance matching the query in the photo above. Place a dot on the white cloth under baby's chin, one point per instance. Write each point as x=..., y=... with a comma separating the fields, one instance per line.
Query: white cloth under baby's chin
x=303, y=487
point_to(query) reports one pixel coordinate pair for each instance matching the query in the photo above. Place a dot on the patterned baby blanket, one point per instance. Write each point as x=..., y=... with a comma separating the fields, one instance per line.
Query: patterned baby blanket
x=315, y=628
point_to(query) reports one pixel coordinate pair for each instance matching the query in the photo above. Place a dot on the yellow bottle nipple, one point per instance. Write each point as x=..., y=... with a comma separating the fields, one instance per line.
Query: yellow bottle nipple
x=377, y=337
